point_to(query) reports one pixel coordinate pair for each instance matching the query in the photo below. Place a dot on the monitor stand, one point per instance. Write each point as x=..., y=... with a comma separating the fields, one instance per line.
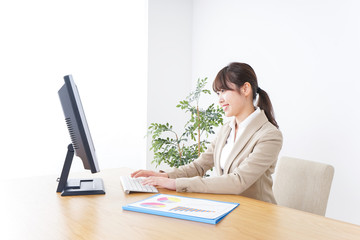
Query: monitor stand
x=74, y=187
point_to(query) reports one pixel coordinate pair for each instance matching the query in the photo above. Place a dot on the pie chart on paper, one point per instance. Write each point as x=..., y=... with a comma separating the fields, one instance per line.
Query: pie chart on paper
x=153, y=205
x=169, y=200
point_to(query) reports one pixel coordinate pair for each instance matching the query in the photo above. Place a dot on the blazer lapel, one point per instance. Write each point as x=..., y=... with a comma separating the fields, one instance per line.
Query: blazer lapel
x=221, y=143
x=249, y=131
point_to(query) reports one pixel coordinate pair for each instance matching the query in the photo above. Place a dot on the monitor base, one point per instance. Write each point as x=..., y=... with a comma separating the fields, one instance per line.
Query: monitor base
x=76, y=187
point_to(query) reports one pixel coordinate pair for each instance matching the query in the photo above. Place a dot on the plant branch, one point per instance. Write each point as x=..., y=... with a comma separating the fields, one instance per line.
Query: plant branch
x=178, y=145
x=198, y=118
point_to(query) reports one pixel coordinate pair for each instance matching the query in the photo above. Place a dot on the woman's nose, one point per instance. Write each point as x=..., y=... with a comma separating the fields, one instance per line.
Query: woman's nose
x=221, y=99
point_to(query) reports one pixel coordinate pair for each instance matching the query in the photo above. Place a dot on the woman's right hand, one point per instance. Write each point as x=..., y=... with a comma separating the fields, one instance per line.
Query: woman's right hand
x=148, y=173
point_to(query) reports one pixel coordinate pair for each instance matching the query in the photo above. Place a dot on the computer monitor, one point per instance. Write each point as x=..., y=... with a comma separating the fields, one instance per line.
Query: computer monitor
x=81, y=144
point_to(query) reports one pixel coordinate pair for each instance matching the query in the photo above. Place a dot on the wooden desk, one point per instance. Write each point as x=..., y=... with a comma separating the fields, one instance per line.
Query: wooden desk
x=31, y=209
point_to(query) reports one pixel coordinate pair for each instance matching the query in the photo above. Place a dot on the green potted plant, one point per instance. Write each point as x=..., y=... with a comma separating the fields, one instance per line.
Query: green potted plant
x=181, y=149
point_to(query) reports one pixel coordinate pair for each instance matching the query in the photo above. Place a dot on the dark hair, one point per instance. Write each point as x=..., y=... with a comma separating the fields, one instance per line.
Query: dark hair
x=238, y=74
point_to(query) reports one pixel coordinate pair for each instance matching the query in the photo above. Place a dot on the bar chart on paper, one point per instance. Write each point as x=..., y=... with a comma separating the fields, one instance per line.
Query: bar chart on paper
x=187, y=209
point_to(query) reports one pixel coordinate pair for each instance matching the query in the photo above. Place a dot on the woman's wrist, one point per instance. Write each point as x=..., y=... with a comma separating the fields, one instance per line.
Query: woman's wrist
x=163, y=174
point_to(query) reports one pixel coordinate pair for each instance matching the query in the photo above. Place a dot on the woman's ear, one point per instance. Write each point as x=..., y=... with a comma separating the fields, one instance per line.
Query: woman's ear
x=246, y=89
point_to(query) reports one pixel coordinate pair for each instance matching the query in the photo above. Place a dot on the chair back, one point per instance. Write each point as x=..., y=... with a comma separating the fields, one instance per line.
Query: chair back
x=302, y=184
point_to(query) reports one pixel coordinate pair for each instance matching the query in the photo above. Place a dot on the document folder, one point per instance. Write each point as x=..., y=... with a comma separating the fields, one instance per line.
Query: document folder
x=193, y=209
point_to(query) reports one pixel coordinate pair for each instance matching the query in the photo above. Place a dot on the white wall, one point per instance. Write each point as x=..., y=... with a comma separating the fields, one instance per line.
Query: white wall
x=103, y=45
x=306, y=56
x=169, y=62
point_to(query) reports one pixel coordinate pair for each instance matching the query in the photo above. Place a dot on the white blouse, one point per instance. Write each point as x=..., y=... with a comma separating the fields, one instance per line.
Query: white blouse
x=230, y=142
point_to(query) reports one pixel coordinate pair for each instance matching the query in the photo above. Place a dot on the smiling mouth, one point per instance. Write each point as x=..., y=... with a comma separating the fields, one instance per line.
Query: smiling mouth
x=225, y=106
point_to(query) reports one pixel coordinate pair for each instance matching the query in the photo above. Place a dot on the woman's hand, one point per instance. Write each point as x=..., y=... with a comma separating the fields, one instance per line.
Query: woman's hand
x=164, y=182
x=148, y=173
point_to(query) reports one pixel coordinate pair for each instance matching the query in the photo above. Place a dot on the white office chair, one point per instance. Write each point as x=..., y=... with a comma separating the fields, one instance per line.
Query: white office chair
x=303, y=185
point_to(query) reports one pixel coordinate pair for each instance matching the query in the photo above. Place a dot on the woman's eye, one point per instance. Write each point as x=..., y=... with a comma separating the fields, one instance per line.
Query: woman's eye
x=220, y=91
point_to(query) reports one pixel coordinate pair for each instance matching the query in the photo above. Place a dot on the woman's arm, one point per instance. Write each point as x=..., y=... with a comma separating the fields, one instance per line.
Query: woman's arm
x=262, y=157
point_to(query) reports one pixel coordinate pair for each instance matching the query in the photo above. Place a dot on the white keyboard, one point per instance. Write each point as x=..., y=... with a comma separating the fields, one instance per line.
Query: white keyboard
x=134, y=185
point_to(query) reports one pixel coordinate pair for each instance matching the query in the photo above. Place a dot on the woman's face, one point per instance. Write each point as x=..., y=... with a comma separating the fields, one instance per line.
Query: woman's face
x=231, y=101
x=234, y=102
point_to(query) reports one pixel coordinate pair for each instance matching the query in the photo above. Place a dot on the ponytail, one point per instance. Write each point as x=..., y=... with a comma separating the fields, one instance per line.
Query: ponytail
x=264, y=103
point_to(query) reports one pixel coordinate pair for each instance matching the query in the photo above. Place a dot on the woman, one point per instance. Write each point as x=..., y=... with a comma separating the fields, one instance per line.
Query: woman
x=244, y=152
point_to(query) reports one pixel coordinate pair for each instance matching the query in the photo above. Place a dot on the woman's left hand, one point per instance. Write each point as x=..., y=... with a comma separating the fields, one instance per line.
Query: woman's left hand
x=167, y=183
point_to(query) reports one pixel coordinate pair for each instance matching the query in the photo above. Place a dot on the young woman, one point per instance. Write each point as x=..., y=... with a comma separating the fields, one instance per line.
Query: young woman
x=245, y=150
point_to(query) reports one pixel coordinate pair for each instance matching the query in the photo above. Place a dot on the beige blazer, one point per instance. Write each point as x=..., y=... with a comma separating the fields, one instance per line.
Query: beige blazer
x=248, y=168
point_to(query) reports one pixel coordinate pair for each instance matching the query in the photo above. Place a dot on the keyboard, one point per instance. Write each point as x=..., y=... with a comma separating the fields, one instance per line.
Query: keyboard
x=134, y=185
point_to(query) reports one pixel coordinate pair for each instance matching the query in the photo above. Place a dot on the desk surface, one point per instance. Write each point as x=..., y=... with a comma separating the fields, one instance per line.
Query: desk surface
x=31, y=209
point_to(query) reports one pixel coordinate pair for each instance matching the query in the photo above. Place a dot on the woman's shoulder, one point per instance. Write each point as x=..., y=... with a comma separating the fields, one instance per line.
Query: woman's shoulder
x=269, y=130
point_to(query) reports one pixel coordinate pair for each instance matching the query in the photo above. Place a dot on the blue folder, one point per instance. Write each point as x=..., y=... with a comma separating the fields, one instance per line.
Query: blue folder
x=131, y=207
